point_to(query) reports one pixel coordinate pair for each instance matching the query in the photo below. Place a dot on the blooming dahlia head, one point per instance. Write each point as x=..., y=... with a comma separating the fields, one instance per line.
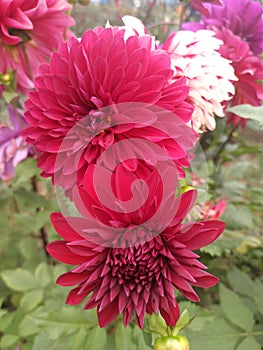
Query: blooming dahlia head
x=29, y=31
x=242, y=17
x=248, y=69
x=120, y=259
x=107, y=87
x=13, y=148
x=195, y=55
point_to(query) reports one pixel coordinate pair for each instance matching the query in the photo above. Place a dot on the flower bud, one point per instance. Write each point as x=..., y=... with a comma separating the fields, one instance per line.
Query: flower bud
x=172, y=343
x=187, y=188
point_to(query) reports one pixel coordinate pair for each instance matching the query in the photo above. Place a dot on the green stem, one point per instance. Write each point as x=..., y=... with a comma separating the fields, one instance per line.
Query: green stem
x=216, y=157
x=42, y=231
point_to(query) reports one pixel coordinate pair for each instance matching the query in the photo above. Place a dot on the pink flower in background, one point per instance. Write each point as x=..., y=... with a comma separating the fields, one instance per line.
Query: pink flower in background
x=248, y=69
x=242, y=17
x=29, y=31
x=98, y=91
x=212, y=211
x=209, y=76
x=120, y=259
x=13, y=148
x=198, y=5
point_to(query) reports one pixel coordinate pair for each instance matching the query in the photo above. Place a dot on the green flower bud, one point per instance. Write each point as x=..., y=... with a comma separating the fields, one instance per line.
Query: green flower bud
x=172, y=343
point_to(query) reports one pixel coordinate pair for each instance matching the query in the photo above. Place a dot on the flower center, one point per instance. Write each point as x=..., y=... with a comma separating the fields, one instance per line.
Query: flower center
x=138, y=265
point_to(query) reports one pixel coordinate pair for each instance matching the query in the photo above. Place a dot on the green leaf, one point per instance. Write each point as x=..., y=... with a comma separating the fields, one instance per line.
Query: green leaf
x=240, y=282
x=19, y=280
x=157, y=324
x=42, y=342
x=42, y=274
x=237, y=216
x=139, y=339
x=257, y=295
x=248, y=112
x=183, y=321
x=6, y=320
x=123, y=338
x=79, y=338
x=235, y=310
x=96, y=339
x=200, y=316
x=25, y=171
x=31, y=299
x=249, y=344
x=8, y=340
x=9, y=96
x=217, y=335
x=28, y=327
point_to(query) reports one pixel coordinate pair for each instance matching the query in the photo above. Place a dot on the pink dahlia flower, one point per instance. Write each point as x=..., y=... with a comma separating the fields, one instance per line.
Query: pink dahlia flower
x=242, y=17
x=98, y=91
x=196, y=56
x=124, y=260
x=248, y=69
x=209, y=210
x=198, y=5
x=29, y=31
x=13, y=148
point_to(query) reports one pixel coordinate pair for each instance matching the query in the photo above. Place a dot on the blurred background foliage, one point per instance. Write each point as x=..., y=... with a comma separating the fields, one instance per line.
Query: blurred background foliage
x=33, y=313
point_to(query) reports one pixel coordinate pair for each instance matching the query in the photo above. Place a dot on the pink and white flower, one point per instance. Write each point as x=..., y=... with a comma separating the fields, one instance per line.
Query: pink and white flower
x=196, y=56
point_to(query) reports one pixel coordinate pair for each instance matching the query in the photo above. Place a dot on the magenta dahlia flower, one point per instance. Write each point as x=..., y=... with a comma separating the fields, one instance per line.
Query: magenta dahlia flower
x=130, y=261
x=98, y=91
x=248, y=69
x=196, y=56
x=242, y=17
x=13, y=148
x=29, y=31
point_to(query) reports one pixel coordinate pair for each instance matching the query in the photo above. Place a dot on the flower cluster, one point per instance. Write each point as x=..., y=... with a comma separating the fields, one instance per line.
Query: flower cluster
x=240, y=27
x=209, y=75
x=109, y=118
x=128, y=260
x=24, y=42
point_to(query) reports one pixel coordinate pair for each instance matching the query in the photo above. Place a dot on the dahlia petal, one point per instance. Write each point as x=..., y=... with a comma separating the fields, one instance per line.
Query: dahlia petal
x=108, y=314
x=206, y=281
x=183, y=286
x=74, y=297
x=60, y=251
x=122, y=301
x=170, y=312
x=70, y=278
x=127, y=314
x=195, y=239
x=65, y=227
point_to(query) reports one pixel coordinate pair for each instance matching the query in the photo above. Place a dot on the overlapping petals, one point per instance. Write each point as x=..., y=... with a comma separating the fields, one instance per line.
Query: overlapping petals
x=29, y=31
x=98, y=91
x=209, y=75
x=248, y=69
x=243, y=18
x=127, y=268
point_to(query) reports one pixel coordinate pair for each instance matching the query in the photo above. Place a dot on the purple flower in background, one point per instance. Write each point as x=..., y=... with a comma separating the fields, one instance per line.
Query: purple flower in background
x=242, y=17
x=13, y=148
